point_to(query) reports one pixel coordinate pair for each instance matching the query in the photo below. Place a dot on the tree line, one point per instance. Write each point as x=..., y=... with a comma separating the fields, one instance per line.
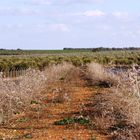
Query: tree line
x=103, y=48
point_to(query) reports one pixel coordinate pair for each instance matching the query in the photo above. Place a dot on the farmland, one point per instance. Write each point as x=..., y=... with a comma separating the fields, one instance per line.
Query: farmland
x=16, y=59
x=70, y=94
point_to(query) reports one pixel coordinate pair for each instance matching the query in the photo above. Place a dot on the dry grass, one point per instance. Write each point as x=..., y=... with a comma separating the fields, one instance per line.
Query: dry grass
x=63, y=77
x=17, y=94
x=57, y=72
x=99, y=76
x=117, y=113
x=63, y=72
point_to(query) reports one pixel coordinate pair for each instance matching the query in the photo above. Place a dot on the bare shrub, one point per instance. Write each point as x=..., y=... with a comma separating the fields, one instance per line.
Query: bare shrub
x=131, y=82
x=16, y=94
x=62, y=76
x=99, y=76
x=73, y=76
x=113, y=114
x=58, y=72
x=119, y=110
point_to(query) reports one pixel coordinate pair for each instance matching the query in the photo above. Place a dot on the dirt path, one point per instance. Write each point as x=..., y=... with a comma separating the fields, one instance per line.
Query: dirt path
x=59, y=101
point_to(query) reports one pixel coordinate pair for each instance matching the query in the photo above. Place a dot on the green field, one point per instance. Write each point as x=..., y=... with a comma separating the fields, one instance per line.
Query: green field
x=32, y=52
x=23, y=59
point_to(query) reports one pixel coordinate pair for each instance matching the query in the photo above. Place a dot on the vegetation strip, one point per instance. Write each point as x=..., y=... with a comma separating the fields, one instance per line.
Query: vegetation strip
x=66, y=121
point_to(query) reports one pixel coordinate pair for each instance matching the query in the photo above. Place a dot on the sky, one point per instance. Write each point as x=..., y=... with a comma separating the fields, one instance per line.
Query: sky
x=57, y=24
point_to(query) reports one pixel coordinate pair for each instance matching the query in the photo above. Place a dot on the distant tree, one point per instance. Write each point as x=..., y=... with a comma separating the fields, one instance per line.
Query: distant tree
x=18, y=49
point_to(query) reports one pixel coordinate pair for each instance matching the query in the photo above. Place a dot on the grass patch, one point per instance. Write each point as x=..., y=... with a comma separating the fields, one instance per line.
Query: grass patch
x=34, y=102
x=66, y=121
x=24, y=119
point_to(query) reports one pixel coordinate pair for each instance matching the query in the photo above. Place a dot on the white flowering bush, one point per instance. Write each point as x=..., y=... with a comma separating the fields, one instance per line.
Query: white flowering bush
x=17, y=93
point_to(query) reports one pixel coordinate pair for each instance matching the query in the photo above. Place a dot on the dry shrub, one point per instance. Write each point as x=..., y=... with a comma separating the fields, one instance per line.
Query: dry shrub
x=117, y=113
x=17, y=94
x=58, y=72
x=64, y=77
x=65, y=72
x=73, y=76
x=97, y=75
x=131, y=133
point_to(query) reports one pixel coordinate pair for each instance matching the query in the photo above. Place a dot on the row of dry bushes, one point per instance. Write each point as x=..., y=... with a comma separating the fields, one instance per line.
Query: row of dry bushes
x=117, y=112
x=18, y=93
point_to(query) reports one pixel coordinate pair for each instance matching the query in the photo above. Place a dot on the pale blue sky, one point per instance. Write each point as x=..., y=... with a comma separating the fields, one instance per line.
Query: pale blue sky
x=55, y=24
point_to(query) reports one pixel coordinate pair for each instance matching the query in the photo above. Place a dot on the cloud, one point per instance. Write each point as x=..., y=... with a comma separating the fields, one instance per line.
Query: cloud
x=26, y=11
x=6, y=10
x=59, y=27
x=124, y=16
x=61, y=2
x=54, y=27
x=94, y=13
x=90, y=13
x=41, y=2
x=42, y=27
x=18, y=11
x=103, y=27
x=121, y=15
x=12, y=26
x=78, y=1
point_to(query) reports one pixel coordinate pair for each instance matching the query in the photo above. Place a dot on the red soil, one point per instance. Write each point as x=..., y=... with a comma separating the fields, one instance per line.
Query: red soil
x=39, y=125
